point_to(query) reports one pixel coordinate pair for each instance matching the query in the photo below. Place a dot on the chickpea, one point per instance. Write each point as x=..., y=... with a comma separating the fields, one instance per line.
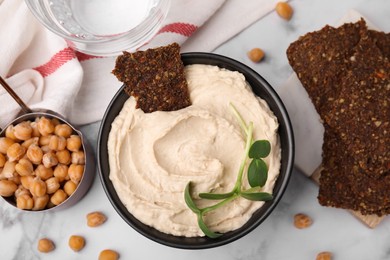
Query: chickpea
x=76, y=243
x=38, y=188
x=324, y=256
x=7, y=188
x=24, y=167
x=2, y=160
x=45, y=149
x=61, y=172
x=5, y=143
x=34, y=154
x=27, y=143
x=45, y=245
x=40, y=202
x=64, y=157
x=49, y=160
x=9, y=169
x=76, y=172
x=256, y=54
x=108, y=254
x=73, y=143
x=55, y=122
x=63, y=130
x=70, y=187
x=23, y=131
x=15, y=152
x=26, y=181
x=9, y=132
x=44, y=173
x=44, y=140
x=302, y=221
x=45, y=126
x=15, y=179
x=57, y=143
x=21, y=191
x=95, y=219
x=284, y=10
x=52, y=185
x=24, y=202
x=58, y=197
x=35, y=131
x=78, y=157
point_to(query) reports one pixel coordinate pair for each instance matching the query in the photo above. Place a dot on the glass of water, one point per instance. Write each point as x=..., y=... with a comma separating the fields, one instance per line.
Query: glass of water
x=102, y=27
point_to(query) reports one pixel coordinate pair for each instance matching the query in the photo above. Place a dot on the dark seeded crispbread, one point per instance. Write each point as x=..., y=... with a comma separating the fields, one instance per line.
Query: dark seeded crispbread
x=319, y=58
x=350, y=90
x=155, y=77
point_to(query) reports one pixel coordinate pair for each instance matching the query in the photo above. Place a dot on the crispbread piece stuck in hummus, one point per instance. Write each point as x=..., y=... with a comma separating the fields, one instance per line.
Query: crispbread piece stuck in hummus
x=155, y=78
x=345, y=71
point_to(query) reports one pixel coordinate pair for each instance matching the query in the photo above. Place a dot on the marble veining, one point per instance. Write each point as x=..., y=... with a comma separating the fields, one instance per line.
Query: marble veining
x=276, y=238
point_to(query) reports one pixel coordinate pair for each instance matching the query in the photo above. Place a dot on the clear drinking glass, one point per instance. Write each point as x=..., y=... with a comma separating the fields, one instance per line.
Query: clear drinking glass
x=101, y=27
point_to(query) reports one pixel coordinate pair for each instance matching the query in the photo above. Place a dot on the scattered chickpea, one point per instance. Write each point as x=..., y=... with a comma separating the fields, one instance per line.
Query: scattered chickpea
x=38, y=188
x=324, y=256
x=76, y=172
x=45, y=126
x=302, y=221
x=49, y=160
x=24, y=167
x=70, y=187
x=44, y=173
x=23, y=131
x=40, y=202
x=64, y=157
x=284, y=10
x=24, y=202
x=95, y=219
x=45, y=245
x=7, y=188
x=5, y=143
x=52, y=185
x=58, y=197
x=15, y=152
x=256, y=54
x=34, y=154
x=63, y=130
x=108, y=254
x=76, y=243
x=73, y=143
x=61, y=172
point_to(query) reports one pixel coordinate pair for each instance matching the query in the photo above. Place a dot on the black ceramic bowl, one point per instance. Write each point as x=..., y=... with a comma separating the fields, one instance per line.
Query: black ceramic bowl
x=262, y=89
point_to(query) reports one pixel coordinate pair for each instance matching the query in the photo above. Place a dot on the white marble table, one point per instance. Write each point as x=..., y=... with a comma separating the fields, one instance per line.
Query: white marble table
x=333, y=230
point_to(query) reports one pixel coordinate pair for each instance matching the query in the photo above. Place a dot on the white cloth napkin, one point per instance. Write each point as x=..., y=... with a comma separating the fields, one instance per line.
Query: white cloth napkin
x=46, y=73
x=308, y=129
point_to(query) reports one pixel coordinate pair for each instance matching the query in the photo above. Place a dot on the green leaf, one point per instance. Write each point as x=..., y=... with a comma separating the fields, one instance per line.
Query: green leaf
x=215, y=196
x=205, y=229
x=188, y=199
x=257, y=173
x=257, y=196
x=260, y=149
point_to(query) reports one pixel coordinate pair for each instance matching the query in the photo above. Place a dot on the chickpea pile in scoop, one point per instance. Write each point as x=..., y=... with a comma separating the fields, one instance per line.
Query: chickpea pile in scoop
x=41, y=163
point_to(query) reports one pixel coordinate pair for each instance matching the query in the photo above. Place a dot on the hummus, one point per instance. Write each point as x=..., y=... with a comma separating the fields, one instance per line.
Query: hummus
x=153, y=156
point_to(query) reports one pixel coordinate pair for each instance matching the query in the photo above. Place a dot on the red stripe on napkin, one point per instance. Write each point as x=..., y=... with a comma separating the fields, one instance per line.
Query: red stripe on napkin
x=58, y=59
x=185, y=29
x=82, y=56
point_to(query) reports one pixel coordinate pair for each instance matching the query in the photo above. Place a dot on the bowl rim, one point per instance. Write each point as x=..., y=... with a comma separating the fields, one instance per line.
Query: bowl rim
x=266, y=209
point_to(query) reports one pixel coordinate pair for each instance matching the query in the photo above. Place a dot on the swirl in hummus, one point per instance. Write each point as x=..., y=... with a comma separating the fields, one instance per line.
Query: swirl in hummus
x=153, y=156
